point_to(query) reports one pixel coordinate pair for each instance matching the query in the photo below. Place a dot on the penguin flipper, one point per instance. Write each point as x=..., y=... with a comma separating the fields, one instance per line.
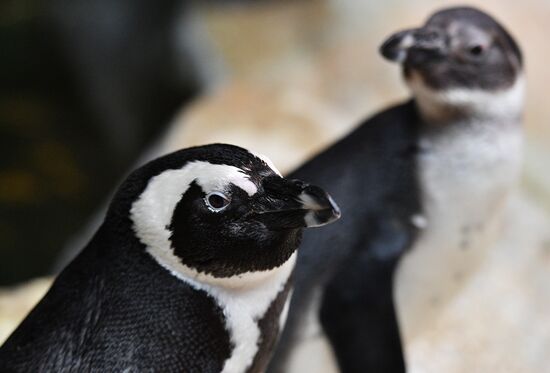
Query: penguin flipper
x=360, y=320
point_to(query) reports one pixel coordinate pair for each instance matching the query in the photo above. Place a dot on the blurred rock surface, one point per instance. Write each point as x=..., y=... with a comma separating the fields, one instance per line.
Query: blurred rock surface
x=15, y=303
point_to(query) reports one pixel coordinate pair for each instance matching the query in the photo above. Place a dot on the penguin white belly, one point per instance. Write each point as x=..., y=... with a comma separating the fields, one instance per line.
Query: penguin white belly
x=465, y=174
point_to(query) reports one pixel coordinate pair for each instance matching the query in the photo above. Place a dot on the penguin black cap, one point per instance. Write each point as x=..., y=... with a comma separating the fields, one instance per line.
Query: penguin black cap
x=458, y=47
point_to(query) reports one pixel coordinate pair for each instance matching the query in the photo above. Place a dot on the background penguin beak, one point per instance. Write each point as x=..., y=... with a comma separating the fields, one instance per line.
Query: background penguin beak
x=426, y=42
x=292, y=204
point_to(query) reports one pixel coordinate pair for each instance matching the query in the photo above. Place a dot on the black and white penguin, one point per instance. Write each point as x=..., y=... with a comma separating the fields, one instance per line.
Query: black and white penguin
x=189, y=272
x=421, y=185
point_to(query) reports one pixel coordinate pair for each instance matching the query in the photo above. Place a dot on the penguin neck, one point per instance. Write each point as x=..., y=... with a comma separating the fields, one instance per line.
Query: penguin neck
x=443, y=106
x=122, y=256
x=118, y=238
x=241, y=282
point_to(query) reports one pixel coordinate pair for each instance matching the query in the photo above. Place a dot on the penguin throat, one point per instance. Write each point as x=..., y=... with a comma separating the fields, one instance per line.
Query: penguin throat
x=244, y=299
x=455, y=104
x=243, y=281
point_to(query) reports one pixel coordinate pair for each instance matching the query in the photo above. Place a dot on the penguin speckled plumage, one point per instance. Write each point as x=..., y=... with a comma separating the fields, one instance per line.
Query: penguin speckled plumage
x=189, y=272
x=421, y=185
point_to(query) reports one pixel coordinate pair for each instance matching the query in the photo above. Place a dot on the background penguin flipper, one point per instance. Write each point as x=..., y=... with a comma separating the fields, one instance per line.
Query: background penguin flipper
x=358, y=311
x=361, y=321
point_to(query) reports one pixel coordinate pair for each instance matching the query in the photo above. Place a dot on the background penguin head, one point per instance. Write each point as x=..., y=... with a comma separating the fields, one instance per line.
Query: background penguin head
x=217, y=211
x=458, y=49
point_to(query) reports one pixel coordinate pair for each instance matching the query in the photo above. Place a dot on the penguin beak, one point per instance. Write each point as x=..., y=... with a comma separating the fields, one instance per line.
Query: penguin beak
x=414, y=46
x=293, y=204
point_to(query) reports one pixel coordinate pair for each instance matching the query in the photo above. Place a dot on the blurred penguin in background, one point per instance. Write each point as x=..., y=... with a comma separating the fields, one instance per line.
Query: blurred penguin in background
x=422, y=186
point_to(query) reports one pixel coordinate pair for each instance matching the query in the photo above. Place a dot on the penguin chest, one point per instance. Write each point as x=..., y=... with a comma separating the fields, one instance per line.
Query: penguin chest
x=253, y=307
x=465, y=175
x=253, y=323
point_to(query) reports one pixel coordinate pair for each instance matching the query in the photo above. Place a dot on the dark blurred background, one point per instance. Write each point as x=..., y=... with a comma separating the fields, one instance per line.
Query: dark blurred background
x=85, y=86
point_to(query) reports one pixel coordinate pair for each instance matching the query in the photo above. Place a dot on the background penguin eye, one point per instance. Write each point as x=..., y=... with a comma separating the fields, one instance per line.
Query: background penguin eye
x=217, y=201
x=477, y=50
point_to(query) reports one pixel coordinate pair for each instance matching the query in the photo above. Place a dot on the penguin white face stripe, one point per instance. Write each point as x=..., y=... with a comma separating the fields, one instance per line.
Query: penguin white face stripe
x=152, y=212
x=215, y=177
x=268, y=162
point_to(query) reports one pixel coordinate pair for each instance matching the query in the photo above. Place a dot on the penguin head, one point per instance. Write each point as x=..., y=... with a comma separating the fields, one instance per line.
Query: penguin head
x=218, y=211
x=460, y=51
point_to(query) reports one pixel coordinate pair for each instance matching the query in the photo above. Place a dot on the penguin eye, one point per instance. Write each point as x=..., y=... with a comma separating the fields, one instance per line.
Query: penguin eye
x=477, y=50
x=216, y=201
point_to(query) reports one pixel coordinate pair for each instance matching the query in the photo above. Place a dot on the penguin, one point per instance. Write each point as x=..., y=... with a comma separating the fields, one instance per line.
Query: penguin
x=189, y=272
x=421, y=186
